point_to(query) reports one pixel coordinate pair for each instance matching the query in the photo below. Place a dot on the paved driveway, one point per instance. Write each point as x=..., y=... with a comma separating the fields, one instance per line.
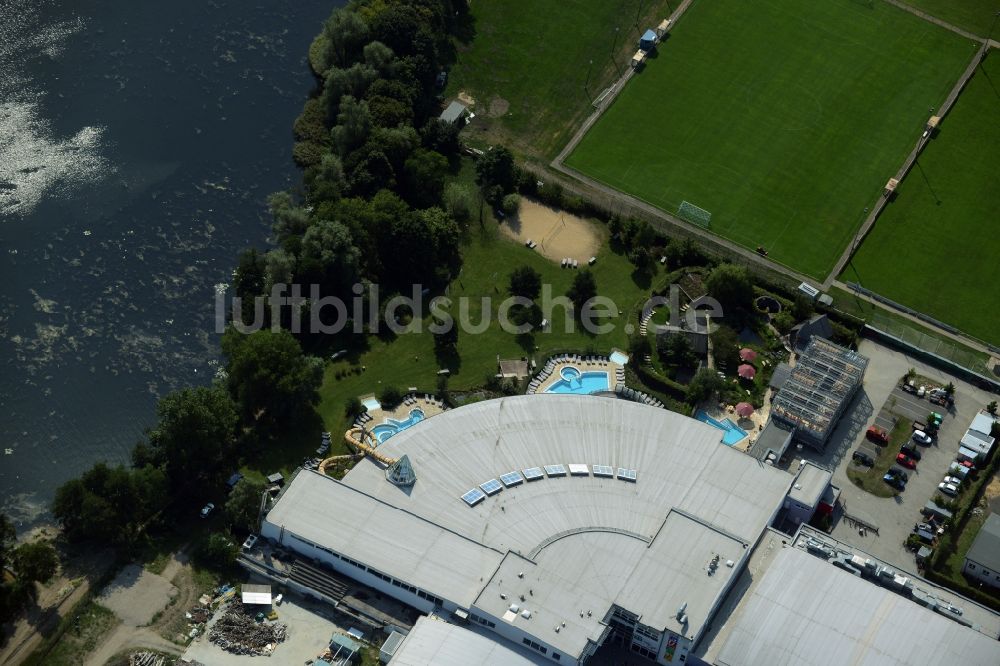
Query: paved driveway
x=896, y=516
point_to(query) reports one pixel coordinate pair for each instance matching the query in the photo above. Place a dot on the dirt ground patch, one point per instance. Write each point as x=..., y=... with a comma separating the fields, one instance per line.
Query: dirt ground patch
x=559, y=235
x=136, y=595
x=498, y=107
x=991, y=494
x=466, y=98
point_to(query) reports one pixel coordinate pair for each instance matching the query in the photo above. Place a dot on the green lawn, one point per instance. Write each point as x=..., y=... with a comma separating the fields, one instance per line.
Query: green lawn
x=783, y=118
x=870, y=478
x=534, y=68
x=409, y=359
x=935, y=247
x=976, y=16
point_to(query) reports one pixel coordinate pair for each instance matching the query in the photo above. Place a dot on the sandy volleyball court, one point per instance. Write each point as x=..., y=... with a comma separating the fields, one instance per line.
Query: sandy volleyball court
x=559, y=235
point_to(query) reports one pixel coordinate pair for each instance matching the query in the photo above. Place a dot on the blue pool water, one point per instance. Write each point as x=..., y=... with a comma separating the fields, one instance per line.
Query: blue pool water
x=731, y=433
x=574, y=381
x=390, y=427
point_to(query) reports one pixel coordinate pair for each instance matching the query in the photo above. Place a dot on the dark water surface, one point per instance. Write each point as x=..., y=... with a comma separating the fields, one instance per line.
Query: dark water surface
x=138, y=142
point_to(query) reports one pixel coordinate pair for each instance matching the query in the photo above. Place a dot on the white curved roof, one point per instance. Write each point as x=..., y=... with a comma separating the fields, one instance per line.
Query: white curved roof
x=678, y=461
x=642, y=545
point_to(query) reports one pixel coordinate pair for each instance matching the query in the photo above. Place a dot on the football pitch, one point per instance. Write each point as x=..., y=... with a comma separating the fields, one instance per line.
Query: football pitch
x=935, y=247
x=782, y=118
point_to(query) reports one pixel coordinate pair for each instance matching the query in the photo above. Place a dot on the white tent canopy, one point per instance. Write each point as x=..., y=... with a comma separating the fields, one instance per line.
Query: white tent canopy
x=256, y=594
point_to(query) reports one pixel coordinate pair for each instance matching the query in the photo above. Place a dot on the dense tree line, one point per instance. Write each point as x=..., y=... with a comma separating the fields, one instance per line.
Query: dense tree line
x=374, y=204
x=201, y=436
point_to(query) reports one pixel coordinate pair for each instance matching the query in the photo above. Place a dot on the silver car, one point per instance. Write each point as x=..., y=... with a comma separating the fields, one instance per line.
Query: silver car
x=948, y=488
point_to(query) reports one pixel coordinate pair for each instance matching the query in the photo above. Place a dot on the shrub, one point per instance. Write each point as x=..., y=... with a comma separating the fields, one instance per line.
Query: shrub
x=390, y=397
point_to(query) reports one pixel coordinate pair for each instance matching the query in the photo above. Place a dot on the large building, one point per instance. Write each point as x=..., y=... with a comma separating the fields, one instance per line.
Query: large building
x=818, y=391
x=554, y=525
x=558, y=522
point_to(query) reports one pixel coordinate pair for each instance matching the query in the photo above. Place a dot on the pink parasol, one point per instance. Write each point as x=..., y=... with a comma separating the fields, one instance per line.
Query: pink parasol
x=744, y=409
x=747, y=371
x=747, y=354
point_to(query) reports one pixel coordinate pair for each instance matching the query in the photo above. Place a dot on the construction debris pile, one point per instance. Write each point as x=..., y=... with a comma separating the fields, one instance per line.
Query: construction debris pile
x=240, y=632
x=148, y=659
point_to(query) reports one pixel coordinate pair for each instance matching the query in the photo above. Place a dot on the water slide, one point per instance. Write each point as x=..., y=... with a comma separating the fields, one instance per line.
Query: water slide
x=364, y=441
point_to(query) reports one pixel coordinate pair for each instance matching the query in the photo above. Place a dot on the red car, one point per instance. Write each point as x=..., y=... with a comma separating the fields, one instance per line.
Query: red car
x=877, y=435
x=906, y=461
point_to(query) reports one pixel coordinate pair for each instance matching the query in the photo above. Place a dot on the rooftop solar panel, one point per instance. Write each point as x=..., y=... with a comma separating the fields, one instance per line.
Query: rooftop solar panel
x=491, y=487
x=604, y=470
x=473, y=497
x=511, y=479
x=533, y=473
x=555, y=470
x=577, y=469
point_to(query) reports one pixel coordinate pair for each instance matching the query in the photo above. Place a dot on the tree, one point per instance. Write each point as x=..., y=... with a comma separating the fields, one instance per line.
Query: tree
x=424, y=175
x=193, y=439
x=726, y=348
x=269, y=377
x=526, y=282
x=510, y=204
x=802, y=308
x=445, y=339
x=346, y=32
x=731, y=286
x=496, y=173
x=289, y=219
x=326, y=180
x=243, y=505
x=329, y=257
x=35, y=562
x=441, y=136
x=215, y=551
x=703, y=385
x=353, y=408
x=354, y=124
x=459, y=202
x=390, y=396
x=8, y=535
x=950, y=389
x=992, y=408
x=380, y=57
x=676, y=349
x=639, y=347
x=583, y=289
x=110, y=504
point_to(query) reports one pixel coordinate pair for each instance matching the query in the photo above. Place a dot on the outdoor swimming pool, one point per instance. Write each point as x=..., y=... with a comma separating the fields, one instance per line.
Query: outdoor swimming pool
x=582, y=383
x=390, y=427
x=731, y=433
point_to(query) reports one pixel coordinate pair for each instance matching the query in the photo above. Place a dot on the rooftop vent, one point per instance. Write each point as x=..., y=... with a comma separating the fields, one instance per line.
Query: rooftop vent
x=680, y=611
x=526, y=614
x=520, y=574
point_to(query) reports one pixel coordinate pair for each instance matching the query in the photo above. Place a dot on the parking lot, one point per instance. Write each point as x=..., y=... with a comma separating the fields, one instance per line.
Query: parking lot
x=894, y=517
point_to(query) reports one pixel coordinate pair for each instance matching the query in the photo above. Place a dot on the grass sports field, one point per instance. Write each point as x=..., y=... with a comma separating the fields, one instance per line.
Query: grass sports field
x=783, y=118
x=935, y=247
x=976, y=16
x=529, y=67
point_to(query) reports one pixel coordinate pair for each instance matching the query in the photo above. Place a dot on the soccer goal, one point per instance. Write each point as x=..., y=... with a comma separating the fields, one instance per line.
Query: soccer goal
x=695, y=215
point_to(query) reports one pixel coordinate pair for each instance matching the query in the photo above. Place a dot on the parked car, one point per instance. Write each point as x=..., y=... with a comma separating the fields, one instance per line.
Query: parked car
x=909, y=387
x=966, y=463
x=911, y=451
x=921, y=437
x=953, y=480
x=877, y=435
x=935, y=418
x=895, y=482
x=900, y=472
x=941, y=400
x=921, y=391
x=207, y=509
x=906, y=461
x=863, y=457
x=948, y=488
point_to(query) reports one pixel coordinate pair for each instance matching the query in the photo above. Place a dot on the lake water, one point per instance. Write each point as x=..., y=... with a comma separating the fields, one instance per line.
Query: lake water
x=138, y=142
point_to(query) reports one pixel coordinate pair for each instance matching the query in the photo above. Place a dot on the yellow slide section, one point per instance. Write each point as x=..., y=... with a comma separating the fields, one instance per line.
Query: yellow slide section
x=362, y=440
